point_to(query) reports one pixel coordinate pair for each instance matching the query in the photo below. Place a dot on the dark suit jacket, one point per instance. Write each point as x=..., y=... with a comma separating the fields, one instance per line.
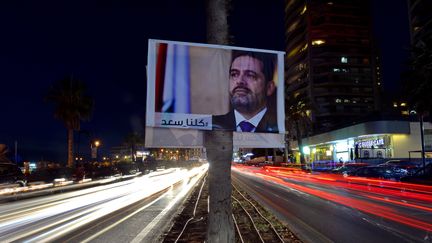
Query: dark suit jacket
x=268, y=123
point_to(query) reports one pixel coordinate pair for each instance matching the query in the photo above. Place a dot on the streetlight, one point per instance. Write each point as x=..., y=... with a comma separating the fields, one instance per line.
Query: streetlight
x=94, y=146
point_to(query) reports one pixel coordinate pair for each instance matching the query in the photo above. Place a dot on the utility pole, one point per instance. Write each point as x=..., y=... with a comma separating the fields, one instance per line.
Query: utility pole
x=422, y=141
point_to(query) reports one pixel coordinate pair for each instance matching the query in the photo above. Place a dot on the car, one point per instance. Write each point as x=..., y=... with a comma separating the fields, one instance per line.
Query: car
x=348, y=168
x=127, y=168
x=11, y=174
x=407, y=165
x=381, y=172
x=100, y=172
x=421, y=176
x=50, y=175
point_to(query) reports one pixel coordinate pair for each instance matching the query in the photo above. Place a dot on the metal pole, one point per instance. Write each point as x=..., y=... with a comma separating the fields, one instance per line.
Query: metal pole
x=422, y=141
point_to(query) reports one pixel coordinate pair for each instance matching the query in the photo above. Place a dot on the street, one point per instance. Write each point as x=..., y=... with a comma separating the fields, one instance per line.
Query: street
x=321, y=207
x=136, y=210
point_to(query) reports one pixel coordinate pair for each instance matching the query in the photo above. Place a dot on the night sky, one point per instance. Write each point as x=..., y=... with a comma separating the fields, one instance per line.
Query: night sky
x=104, y=43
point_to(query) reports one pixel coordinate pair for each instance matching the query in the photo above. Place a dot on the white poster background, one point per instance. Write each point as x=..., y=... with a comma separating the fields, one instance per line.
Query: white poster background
x=157, y=137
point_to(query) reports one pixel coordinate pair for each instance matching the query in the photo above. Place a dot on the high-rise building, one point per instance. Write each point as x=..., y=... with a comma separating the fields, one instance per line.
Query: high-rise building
x=330, y=60
x=420, y=19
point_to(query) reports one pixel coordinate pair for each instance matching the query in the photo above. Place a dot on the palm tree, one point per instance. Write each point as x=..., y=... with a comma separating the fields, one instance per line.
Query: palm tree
x=298, y=122
x=72, y=106
x=219, y=144
x=131, y=141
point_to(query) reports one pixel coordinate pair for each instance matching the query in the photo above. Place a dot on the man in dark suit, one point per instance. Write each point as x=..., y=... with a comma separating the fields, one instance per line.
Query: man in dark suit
x=251, y=86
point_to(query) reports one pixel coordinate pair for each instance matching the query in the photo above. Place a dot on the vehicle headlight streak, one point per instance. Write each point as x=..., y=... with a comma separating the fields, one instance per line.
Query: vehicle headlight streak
x=75, y=209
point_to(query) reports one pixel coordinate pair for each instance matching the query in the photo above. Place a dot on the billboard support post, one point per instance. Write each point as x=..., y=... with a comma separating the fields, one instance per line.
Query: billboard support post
x=219, y=146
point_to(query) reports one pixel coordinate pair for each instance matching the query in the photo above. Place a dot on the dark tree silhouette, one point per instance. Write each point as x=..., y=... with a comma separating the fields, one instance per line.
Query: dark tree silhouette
x=71, y=105
x=298, y=122
x=418, y=80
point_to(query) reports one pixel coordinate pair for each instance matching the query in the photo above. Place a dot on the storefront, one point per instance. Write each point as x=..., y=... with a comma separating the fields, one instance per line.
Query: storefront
x=366, y=141
x=373, y=147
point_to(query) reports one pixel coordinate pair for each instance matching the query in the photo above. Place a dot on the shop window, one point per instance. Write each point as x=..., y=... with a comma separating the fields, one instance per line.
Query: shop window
x=366, y=154
x=379, y=154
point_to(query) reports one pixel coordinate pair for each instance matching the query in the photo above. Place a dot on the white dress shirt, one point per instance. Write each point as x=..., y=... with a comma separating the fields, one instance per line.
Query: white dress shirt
x=254, y=120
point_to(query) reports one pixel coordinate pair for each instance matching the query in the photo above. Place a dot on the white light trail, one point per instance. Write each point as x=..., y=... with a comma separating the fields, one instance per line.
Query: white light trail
x=45, y=220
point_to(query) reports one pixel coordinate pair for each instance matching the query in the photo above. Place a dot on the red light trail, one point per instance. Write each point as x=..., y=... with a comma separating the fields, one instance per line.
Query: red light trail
x=412, y=196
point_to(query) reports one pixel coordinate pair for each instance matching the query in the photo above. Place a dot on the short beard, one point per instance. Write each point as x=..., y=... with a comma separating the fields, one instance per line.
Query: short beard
x=246, y=105
x=243, y=104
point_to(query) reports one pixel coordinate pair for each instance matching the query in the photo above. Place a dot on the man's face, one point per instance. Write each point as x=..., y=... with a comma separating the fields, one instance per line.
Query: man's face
x=248, y=89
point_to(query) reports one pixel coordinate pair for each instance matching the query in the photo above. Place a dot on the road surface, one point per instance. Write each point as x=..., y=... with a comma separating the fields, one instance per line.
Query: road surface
x=322, y=207
x=136, y=210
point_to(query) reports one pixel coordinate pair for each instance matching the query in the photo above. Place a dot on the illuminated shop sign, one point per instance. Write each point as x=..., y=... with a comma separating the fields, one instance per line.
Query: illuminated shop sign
x=370, y=143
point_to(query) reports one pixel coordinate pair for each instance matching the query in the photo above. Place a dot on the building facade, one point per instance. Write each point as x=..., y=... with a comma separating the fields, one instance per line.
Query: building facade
x=420, y=19
x=330, y=60
x=369, y=141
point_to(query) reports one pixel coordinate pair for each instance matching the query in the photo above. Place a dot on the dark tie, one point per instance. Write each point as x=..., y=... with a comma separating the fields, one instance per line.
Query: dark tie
x=246, y=126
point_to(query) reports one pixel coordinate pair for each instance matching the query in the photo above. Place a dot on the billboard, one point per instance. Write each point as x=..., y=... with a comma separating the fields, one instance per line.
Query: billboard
x=214, y=87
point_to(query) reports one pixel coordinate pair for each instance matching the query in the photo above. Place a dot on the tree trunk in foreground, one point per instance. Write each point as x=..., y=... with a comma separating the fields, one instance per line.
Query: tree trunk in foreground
x=219, y=145
x=217, y=23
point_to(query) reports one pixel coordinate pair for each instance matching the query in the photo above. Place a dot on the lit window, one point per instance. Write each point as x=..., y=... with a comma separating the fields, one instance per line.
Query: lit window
x=318, y=42
x=336, y=70
x=405, y=113
x=338, y=101
x=395, y=104
x=403, y=104
x=354, y=102
x=330, y=3
x=304, y=10
x=346, y=101
x=304, y=48
x=294, y=51
x=379, y=83
x=344, y=59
